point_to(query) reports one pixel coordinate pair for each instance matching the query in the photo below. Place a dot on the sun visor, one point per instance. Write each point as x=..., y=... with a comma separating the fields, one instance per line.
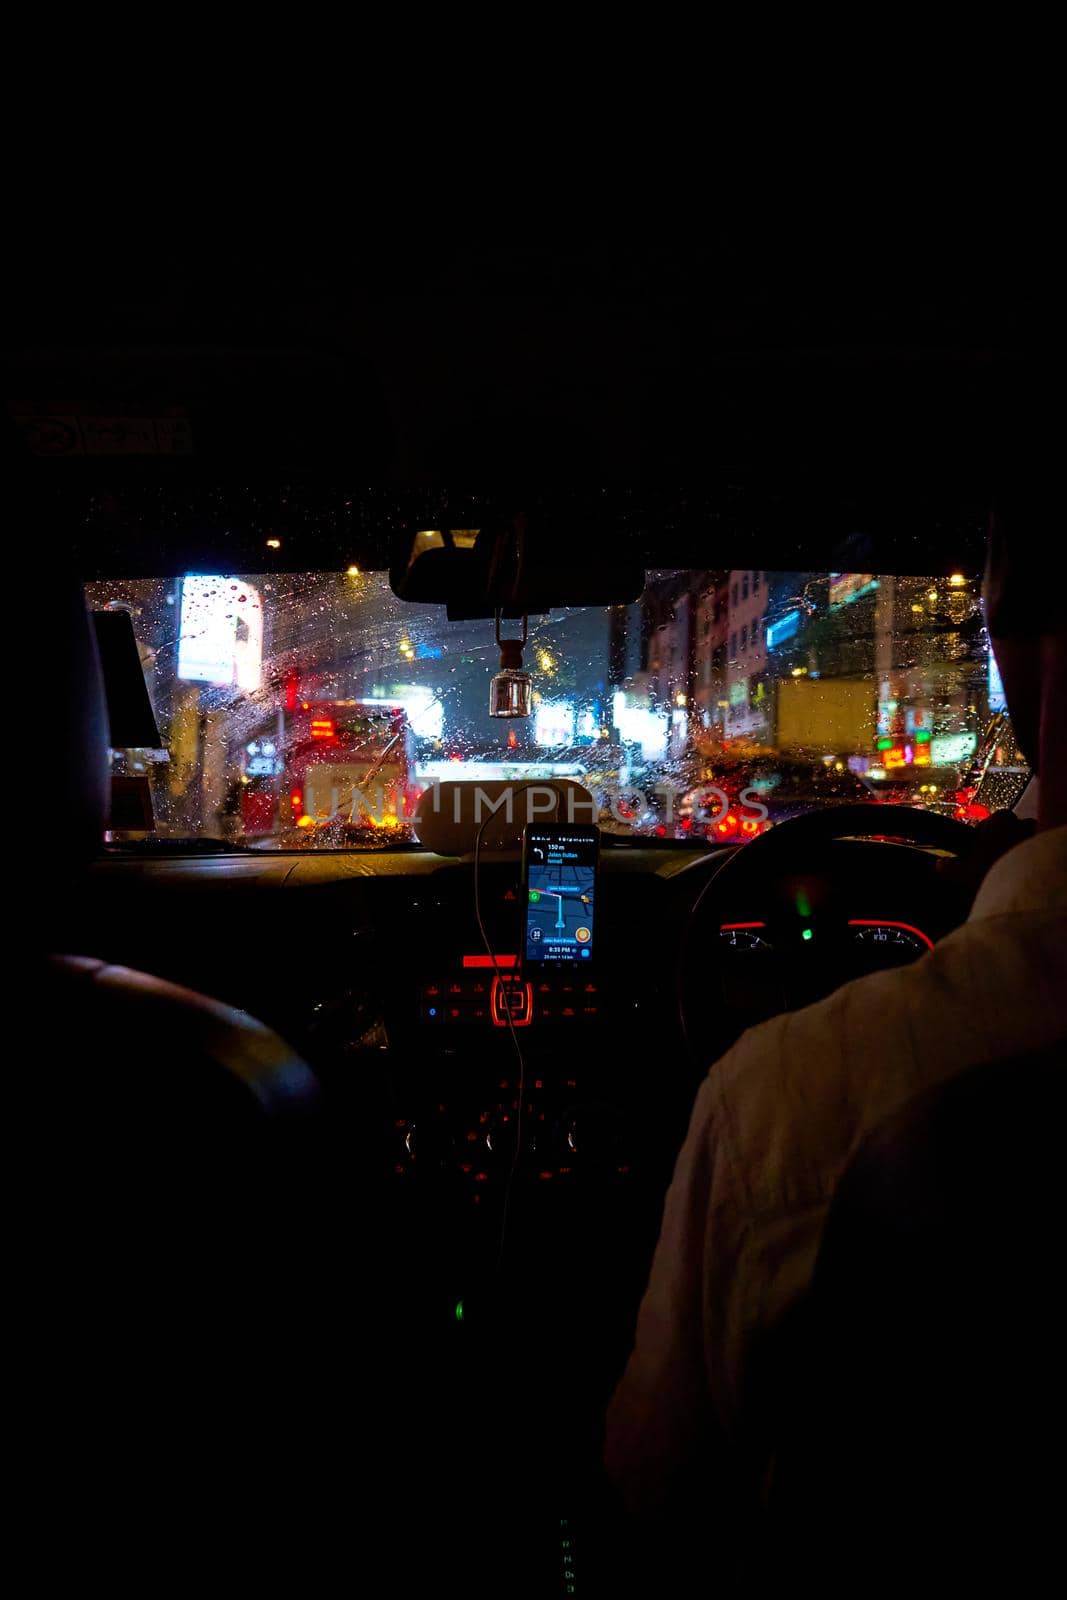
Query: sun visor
x=131, y=719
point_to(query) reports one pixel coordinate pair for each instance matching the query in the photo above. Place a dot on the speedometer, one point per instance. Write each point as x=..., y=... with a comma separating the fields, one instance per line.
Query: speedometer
x=740, y=936
x=894, y=940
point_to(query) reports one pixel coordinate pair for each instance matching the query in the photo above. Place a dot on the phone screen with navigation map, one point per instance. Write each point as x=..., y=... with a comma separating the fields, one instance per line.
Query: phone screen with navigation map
x=559, y=879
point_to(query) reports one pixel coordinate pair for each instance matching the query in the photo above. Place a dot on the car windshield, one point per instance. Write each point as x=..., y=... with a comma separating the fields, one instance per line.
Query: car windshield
x=310, y=710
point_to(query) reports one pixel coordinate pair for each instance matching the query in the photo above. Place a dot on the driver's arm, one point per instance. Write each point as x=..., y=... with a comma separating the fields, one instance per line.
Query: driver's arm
x=661, y=1409
x=672, y=1417
x=740, y=1231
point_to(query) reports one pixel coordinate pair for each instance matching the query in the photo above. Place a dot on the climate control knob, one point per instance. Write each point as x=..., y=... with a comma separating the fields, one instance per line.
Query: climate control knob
x=500, y=1134
x=593, y=1135
x=428, y=1142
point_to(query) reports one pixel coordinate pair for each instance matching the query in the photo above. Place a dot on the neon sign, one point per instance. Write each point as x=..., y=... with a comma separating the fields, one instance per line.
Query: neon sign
x=221, y=637
x=783, y=629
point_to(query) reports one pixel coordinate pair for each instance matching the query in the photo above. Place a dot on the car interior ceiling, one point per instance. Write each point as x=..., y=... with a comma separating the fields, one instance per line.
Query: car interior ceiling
x=293, y=1262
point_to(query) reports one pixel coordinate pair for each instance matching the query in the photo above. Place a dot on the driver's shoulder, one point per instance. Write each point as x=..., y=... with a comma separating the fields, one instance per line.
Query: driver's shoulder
x=791, y=1092
x=794, y=1097
x=1031, y=878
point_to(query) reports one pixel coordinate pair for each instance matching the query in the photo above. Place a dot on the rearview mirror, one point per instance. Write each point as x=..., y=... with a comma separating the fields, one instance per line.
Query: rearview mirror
x=517, y=571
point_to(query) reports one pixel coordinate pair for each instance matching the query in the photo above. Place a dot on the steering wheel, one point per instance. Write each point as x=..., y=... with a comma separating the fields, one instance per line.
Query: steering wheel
x=776, y=851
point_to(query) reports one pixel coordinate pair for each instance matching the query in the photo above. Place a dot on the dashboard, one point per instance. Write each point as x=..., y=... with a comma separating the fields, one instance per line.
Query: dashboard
x=375, y=967
x=887, y=943
x=501, y=1179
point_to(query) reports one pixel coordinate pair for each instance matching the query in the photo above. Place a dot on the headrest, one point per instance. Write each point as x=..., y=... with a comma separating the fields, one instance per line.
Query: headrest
x=449, y=815
x=73, y=692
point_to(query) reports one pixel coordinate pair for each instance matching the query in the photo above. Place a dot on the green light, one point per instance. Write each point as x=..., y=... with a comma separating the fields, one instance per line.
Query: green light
x=807, y=934
x=922, y=736
x=459, y=1310
x=885, y=744
x=803, y=904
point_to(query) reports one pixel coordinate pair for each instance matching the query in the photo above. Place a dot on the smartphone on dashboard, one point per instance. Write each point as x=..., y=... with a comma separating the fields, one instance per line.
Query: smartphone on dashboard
x=559, y=881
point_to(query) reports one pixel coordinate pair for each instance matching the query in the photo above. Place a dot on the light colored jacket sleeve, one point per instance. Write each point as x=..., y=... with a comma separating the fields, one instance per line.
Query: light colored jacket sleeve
x=664, y=1414
x=740, y=1232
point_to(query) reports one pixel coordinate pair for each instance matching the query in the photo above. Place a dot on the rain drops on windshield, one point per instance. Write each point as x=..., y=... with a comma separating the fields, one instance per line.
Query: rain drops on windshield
x=311, y=710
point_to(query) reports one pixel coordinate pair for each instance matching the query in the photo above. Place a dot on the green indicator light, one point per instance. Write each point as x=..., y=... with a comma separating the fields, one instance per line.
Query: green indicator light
x=459, y=1310
x=803, y=905
x=807, y=934
x=534, y=896
x=885, y=744
x=922, y=736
